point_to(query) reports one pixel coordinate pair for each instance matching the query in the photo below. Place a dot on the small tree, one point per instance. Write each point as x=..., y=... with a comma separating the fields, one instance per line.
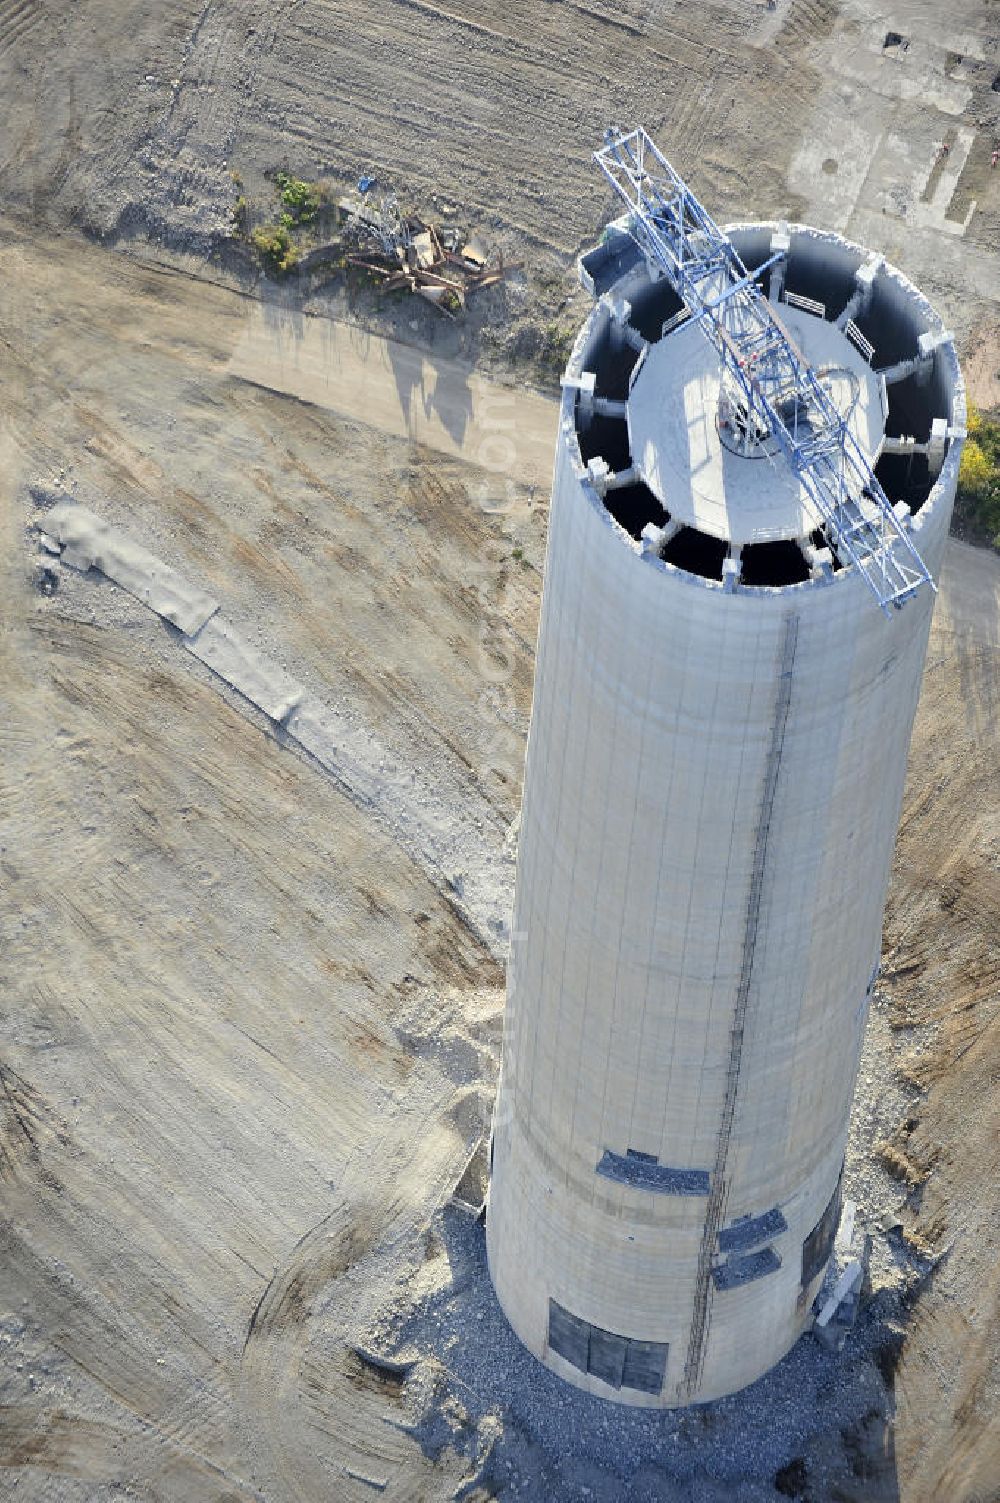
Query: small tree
x=276, y=248
x=979, y=474
x=975, y=471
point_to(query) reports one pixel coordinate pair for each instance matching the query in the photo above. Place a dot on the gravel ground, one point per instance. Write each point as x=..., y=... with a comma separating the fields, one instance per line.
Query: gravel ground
x=830, y=1411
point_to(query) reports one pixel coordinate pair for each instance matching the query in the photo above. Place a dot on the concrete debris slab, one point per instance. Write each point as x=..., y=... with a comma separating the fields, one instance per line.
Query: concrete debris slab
x=349, y=752
x=849, y=1280
x=425, y=250
x=470, y=1191
x=845, y=1232
x=377, y=1484
x=78, y=557
x=839, y=1311
x=320, y=733
x=90, y=542
x=220, y=647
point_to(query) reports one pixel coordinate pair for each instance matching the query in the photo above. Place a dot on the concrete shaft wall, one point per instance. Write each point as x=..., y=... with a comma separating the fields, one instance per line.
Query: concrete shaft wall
x=712, y=791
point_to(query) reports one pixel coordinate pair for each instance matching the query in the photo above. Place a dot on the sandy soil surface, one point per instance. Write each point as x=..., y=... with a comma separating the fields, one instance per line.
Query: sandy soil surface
x=250, y=1040
x=942, y=974
x=271, y=1036
x=398, y=389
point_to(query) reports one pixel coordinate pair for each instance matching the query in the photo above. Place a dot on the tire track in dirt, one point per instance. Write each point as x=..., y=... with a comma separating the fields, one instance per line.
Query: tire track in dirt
x=52, y=1269
x=301, y=1394
x=534, y=78
x=26, y=1123
x=17, y=20
x=137, y=1242
x=808, y=22
x=177, y=180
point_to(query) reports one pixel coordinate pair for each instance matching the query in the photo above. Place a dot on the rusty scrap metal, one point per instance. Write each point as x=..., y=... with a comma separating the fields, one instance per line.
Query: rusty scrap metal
x=404, y=251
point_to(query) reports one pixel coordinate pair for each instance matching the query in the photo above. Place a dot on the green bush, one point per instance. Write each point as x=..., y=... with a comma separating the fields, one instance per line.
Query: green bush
x=979, y=476
x=276, y=248
x=301, y=199
x=555, y=347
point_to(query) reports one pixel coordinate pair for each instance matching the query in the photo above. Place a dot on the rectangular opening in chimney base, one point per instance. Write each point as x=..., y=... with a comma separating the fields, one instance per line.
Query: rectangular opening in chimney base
x=740, y=1236
x=817, y=1247
x=743, y=1270
x=619, y=1361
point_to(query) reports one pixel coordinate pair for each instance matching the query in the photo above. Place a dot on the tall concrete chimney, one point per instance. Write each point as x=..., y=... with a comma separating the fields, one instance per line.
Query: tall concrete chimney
x=714, y=774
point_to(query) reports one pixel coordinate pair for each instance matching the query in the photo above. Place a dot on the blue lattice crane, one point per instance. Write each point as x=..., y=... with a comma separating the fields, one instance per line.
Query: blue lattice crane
x=772, y=390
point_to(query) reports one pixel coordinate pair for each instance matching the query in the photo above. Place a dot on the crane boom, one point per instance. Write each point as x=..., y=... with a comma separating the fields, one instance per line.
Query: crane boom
x=779, y=392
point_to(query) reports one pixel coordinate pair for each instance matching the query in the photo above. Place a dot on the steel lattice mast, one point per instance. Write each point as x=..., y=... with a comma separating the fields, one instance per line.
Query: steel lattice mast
x=780, y=392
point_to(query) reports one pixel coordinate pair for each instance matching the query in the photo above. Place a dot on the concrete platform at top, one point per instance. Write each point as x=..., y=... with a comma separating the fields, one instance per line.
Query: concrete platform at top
x=690, y=463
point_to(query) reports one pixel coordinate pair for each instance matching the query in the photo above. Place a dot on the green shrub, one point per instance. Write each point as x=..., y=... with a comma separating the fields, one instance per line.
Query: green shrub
x=301, y=199
x=979, y=476
x=276, y=248
x=555, y=347
x=975, y=470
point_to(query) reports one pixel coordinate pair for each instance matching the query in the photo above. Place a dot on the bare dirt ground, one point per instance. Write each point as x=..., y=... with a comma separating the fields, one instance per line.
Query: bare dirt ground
x=128, y=119
x=267, y=1036
x=250, y=1041
x=249, y=1038
x=941, y=971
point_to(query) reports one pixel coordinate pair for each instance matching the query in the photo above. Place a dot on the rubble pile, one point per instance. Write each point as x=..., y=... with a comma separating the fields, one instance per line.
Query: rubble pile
x=402, y=251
